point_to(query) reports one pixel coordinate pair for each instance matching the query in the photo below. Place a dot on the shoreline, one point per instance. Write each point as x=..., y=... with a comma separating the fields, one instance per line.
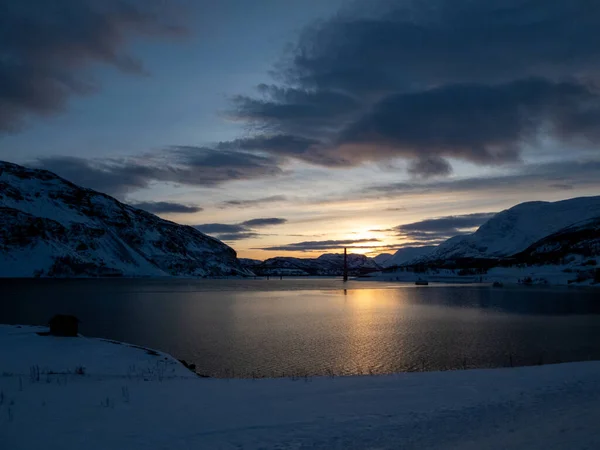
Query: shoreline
x=149, y=400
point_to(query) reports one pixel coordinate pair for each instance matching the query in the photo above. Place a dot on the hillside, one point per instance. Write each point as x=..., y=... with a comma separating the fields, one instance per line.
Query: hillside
x=407, y=254
x=329, y=264
x=514, y=230
x=576, y=243
x=51, y=227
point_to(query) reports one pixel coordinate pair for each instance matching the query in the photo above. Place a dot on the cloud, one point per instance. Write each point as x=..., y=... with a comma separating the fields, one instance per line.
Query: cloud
x=436, y=230
x=474, y=122
x=193, y=166
x=290, y=110
x=238, y=236
x=561, y=175
x=253, y=202
x=47, y=47
x=397, y=44
x=218, y=228
x=401, y=208
x=239, y=231
x=166, y=207
x=561, y=186
x=430, y=167
x=257, y=223
x=432, y=81
x=308, y=246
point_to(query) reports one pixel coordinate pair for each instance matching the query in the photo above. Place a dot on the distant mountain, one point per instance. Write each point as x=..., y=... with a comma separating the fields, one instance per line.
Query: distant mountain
x=52, y=227
x=382, y=258
x=247, y=262
x=407, y=254
x=328, y=264
x=514, y=230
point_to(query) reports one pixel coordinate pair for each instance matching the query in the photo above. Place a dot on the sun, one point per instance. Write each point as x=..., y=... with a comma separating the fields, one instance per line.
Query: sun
x=365, y=240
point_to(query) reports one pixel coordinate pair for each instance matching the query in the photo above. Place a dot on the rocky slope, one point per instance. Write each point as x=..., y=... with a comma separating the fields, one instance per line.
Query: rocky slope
x=51, y=227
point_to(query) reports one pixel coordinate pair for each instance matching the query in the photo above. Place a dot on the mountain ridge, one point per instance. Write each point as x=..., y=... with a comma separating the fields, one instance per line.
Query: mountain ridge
x=51, y=227
x=327, y=264
x=515, y=229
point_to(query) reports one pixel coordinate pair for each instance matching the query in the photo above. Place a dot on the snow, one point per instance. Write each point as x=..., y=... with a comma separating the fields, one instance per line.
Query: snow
x=382, y=258
x=328, y=264
x=513, y=230
x=123, y=402
x=555, y=275
x=51, y=227
x=407, y=254
x=550, y=274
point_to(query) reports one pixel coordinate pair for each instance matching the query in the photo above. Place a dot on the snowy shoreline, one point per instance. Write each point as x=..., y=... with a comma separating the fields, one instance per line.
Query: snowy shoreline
x=513, y=276
x=73, y=393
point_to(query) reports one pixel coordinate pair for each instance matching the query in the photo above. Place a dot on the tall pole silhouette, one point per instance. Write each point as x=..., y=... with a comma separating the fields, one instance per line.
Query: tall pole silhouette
x=345, y=264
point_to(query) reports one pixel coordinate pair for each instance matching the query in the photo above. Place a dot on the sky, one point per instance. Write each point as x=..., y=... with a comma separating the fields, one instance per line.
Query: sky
x=299, y=127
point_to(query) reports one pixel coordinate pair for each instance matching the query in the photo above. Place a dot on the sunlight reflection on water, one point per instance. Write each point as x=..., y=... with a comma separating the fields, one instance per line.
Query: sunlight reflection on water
x=316, y=327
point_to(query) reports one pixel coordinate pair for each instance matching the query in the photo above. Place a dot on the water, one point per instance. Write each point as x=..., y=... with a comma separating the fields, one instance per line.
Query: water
x=315, y=326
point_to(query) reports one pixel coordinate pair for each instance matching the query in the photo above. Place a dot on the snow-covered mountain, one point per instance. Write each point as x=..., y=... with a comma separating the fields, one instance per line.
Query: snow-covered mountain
x=577, y=243
x=407, y=254
x=248, y=262
x=51, y=227
x=515, y=229
x=331, y=264
x=382, y=258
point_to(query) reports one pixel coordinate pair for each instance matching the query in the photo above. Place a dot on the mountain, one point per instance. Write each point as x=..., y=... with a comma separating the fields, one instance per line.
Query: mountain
x=514, y=230
x=52, y=227
x=576, y=243
x=247, y=262
x=407, y=254
x=329, y=264
x=382, y=258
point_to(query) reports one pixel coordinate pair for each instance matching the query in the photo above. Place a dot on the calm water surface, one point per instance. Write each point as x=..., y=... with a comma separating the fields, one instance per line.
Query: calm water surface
x=316, y=327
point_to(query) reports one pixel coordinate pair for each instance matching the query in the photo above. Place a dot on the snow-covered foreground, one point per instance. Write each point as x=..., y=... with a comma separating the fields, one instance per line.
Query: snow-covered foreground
x=130, y=398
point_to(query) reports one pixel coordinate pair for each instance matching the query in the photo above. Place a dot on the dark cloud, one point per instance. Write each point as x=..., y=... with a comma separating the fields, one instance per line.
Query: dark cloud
x=166, y=207
x=429, y=81
x=308, y=246
x=447, y=223
x=239, y=231
x=396, y=45
x=266, y=222
x=434, y=231
x=287, y=146
x=430, y=167
x=292, y=110
x=278, y=143
x=115, y=177
x=561, y=186
x=194, y=166
x=555, y=175
x=218, y=228
x=253, y=202
x=46, y=47
x=396, y=209
x=238, y=236
x=478, y=123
